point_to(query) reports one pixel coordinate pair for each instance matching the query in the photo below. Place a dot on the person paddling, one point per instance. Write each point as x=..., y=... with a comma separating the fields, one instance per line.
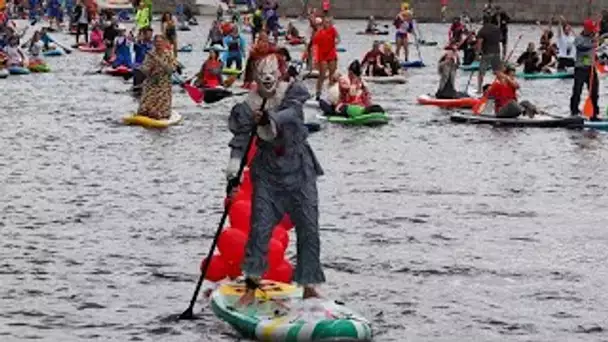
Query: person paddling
x=210, y=75
x=284, y=173
x=585, y=45
x=529, y=59
x=504, y=93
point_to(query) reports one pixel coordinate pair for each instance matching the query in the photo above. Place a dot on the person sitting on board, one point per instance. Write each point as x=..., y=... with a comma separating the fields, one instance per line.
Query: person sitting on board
x=504, y=93
x=215, y=35
x=292, y=32
x=109, y=35
x=210, y=75
x=372, y=26
x=469, y=54
x=235, y=49
x=16, y=56
x=96, y=38
x=328, y=103
x=389, y=60
x=372, y=63
x=35, y=46
x=585, y=45
x=565, y=44
x=530, y=60
x=456, y=31
x=158, y=68
x=122, y=49
x=548, y=59
x=284, y=173
x=447, y=69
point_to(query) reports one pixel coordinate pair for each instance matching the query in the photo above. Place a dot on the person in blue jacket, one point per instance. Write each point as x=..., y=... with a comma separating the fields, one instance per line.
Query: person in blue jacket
x=142, y=46
x=235, y=49
x=122, y=49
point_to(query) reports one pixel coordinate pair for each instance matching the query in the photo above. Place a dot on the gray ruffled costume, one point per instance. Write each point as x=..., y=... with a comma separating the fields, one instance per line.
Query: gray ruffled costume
x=284, y=176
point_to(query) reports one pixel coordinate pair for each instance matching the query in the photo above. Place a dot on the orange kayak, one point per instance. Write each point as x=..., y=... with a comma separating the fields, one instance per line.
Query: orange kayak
x=467, y=102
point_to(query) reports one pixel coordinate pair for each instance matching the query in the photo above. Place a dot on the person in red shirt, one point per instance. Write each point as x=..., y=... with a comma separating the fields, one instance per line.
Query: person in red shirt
x=325, y=41
x=504, y=93
x=372, y=62
x=210, y=75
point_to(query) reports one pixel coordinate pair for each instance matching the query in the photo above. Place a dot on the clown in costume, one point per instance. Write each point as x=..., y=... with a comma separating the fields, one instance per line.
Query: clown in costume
x=284, y=172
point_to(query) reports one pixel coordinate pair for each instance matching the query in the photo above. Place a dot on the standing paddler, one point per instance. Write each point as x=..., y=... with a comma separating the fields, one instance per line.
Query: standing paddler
x=284, y=172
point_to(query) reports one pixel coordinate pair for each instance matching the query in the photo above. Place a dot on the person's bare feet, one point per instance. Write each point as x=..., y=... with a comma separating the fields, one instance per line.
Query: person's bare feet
x=247, y=298
x=310, y=292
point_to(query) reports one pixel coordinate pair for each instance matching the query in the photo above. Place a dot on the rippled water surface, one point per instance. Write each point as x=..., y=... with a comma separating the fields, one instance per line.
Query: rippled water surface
x=435, y=231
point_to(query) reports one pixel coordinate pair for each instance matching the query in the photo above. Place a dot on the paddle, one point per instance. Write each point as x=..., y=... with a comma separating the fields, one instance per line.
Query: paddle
x=481, y=105
x=417, y=44
x=189, y=314
x=588, y=108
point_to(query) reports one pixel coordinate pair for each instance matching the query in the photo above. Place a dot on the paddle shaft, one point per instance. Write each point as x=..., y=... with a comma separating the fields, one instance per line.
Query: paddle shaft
x=188, y=314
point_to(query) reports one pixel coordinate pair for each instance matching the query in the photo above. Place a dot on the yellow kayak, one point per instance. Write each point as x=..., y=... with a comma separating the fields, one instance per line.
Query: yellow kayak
x=144, y=121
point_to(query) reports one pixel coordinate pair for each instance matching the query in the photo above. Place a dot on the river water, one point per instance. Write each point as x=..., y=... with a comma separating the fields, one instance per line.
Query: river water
x=434, y=231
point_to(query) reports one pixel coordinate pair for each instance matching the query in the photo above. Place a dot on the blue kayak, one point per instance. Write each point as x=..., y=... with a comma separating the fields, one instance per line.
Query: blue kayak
x=51, y=53
x=413, y=64
x=186, y=48
x=601, y=125
x=17, y=70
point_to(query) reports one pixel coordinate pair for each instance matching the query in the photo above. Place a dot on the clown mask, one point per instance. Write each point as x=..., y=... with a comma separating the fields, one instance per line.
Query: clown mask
x=267, y=76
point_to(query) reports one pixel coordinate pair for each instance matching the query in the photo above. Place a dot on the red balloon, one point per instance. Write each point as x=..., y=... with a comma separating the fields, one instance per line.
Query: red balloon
x=234, y=270
x=217, y=268
x=231, y=245
x=283, y=272
x=240, y=215
x=281, y=235
x=286, y=222
x=276, y=253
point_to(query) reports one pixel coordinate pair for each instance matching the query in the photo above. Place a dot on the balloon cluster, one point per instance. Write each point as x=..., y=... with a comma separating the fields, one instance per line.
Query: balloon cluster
x=233, y=239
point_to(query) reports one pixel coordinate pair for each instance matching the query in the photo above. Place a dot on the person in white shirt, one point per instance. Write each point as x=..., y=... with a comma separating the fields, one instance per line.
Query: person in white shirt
x=16, y=57
x=566, y=54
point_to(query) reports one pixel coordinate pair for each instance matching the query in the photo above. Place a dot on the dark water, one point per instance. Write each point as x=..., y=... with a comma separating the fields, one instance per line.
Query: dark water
x=435, y=231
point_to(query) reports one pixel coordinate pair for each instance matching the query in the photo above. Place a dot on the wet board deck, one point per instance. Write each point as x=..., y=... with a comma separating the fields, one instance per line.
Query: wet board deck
x=279, y=314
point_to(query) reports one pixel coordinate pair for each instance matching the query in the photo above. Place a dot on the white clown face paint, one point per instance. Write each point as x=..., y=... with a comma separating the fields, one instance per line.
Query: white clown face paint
x=267, y=76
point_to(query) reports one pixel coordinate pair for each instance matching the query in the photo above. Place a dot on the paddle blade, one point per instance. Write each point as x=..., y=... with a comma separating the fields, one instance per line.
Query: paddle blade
x=588, y=108
x=195, y=94
x=480, y=106
x=216, y=95
x=230, y=81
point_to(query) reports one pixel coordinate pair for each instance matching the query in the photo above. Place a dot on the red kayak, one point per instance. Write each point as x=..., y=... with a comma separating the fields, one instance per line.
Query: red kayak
x=118, y=71
x=295, y=40
x=87, y=48
x=467, y=102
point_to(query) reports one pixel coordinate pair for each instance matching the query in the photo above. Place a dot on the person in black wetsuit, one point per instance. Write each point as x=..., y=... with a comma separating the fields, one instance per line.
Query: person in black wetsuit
x=530, y=60
x=468, y=49
x=447, y=69
x=109, y=35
